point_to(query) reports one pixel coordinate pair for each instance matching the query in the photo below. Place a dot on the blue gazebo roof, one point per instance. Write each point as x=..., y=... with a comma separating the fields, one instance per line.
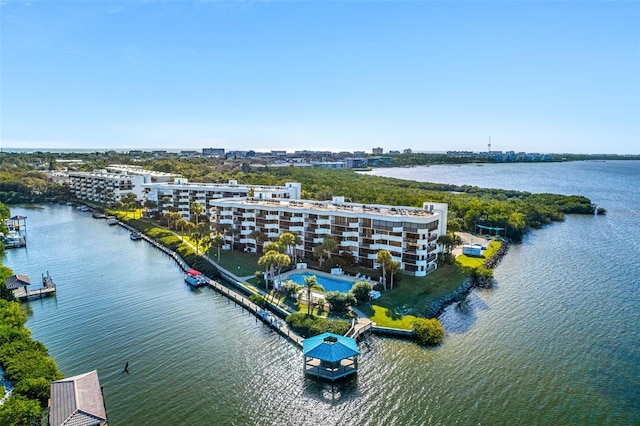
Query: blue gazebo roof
x=319, y=348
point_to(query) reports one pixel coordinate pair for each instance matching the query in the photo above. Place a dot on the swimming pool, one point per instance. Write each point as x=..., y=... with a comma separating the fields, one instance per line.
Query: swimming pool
x=329, y=284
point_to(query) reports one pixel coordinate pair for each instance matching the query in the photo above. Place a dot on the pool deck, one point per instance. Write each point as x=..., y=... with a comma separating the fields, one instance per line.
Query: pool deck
x=342, y=277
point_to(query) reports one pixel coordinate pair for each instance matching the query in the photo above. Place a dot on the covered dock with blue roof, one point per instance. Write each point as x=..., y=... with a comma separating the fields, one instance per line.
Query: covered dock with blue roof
x=330, y=356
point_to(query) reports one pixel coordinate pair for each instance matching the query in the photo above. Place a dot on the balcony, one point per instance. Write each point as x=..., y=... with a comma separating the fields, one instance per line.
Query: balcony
x=346, y=234
x=323, y=221
x=323, y=231
x=347, y=243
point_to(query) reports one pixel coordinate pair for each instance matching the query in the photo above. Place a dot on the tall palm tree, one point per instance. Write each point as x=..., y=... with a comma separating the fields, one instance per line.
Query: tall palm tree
x=383, y=257
x=394, y=268
x=217, y=240
x=181, y=224
x=329, y=245
x=196, y=209
x=311, y=283
x=282, y=260
x=189, y=227
x=267, y=261
x=288, y=240
x=259, y=236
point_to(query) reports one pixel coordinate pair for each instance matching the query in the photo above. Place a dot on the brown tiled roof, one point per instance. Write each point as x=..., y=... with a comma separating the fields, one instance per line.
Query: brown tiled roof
x=17, y=281
x=77, y=401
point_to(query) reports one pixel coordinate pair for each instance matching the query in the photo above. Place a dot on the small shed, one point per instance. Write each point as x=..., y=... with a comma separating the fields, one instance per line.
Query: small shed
x=77, y=401
x=330, y=356
x=472, y=250
x=16, y=281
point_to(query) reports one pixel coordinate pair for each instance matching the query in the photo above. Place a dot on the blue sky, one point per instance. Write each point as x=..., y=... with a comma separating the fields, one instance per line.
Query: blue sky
x=540, y=76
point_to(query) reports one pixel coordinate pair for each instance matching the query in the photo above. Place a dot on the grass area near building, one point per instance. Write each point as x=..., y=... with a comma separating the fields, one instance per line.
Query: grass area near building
x=412, y=296
x=472, y=261
x=237, y=262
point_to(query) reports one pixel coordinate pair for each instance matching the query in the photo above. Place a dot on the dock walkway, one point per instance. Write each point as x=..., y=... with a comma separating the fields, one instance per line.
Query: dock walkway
x=265, y=316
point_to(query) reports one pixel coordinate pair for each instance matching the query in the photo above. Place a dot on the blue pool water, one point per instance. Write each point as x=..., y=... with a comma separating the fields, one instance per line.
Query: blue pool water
x=329, y=284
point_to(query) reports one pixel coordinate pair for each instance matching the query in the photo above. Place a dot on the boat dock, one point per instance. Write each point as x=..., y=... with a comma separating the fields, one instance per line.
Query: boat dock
x=48, y=289
x=265, y=316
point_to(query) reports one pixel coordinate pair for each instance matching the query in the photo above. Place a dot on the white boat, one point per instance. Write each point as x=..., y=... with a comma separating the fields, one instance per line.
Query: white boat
x=111, y=220
x=135, y=235
x=12, y=240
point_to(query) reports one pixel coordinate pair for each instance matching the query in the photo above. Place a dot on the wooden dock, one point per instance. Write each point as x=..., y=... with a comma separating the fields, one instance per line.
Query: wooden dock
x=265, y=316
x=359, y=327
x=48, y=289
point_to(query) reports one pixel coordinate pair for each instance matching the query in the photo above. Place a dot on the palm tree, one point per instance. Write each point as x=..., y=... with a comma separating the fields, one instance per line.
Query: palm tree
x=288, y=240
x=282, y=260
x=201, y=232
x=217, y=240
x=318, y=251
x=273, y=246
x=259, y=236
x=329, y=245
x=394, y=268
x=181, y=223
x=175, y=216
x=150, y=205
x=196, y=209
x=267, y=260
x=311, y=283
x=383, y=257
x=189, y=227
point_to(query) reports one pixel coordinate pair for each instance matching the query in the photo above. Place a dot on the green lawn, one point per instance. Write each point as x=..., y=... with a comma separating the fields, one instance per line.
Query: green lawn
x=472, y=262
x=412, y=296
x=237, y=262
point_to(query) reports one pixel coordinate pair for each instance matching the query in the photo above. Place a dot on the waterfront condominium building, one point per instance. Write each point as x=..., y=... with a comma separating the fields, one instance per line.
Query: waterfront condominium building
x=112, y=183
x=179, y=195
x=104, y=187
x=408, y=233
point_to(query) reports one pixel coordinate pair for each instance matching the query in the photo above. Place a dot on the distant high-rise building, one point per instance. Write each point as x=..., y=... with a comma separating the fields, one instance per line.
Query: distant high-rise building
x=377, y=151
x=213, y=152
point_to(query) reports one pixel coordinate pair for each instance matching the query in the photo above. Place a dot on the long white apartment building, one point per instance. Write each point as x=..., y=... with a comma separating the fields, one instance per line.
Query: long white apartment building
x=408, y=233
x=179, y=195
x=104, y=187
x=149, y=175
x=112, y=183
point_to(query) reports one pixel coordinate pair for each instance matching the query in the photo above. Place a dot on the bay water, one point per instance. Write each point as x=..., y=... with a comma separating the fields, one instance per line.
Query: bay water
x=554, y=343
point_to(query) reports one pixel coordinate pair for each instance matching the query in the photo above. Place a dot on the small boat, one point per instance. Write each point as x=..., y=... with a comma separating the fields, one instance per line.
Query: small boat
x=12, y=240
x=135, y=235
x=98, y=215
x=111, y=220
x=195, y=278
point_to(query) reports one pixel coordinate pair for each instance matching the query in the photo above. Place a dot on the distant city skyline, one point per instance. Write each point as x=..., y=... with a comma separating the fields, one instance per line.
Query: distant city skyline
x=540, y=76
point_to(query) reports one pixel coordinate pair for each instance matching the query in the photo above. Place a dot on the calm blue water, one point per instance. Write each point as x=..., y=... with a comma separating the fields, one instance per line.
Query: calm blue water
x=329, y=284
x=555, y=343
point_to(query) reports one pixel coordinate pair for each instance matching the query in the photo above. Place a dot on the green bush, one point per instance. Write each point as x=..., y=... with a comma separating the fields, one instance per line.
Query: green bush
x=20, y=411
x=309, y=325
x=258, y=300
x=37, y=388
x=428, y=331
x=361, y=290
x=339, y=302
